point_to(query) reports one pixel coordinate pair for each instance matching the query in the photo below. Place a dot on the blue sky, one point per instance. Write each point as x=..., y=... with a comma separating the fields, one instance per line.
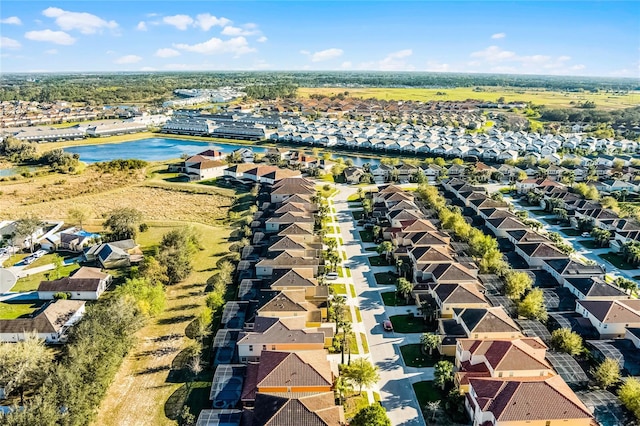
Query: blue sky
x=572, y=38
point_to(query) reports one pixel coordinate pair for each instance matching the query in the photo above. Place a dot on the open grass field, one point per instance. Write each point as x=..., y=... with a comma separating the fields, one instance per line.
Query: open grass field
x=51, y=196
x=553, y=99
x=427, y=392
x=150, y=380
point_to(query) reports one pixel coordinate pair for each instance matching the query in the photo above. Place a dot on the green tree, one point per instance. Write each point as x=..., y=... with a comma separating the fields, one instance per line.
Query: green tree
x=25, y=228
x=607, y=373
x=342, y=388
x=149, y=298
x=532, y=306
x=361, y=373
x=385, y=248
x=567, y=341
x=24, y=366
x=404, y=287
x=153, y=271
x=177, y=263
x=123, y=223
x=629, y=394
x=517, y=283
x=79, y=215
x=371, y=415
x=430, y=341
x=443, y=373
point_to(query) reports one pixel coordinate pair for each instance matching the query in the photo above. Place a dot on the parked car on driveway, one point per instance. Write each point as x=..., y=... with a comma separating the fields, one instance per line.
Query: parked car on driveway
x=585, y=235
x=332, y=276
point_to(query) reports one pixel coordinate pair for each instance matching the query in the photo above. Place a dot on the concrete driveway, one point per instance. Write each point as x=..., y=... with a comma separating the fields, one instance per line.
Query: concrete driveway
x=396, y=392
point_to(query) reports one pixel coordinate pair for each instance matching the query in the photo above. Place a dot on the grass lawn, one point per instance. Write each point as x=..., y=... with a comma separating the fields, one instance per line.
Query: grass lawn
x=354, y=403
x=616, y=260
x=358, y=314
x=348, y=272
x=365, y=344
x=340, y=272
x=352, y=290
x=339, y=288
x=590, y=244
x=374, y=248
x=539, y=212
x=32, y=282
x=407, y=324
x=378, y=261
x=353, y=198
x=389, y=298
x=9, y=310
x=344, y=255
x=357, y=215
x=570, y=232
x=552, y=221
x=427, y=392
x=413, y=356
x=366, y=236
x=386, y=278
x=148, y=383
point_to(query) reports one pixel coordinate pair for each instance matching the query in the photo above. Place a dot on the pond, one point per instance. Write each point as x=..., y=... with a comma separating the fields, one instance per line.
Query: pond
x=159, y=149
x=16, y=170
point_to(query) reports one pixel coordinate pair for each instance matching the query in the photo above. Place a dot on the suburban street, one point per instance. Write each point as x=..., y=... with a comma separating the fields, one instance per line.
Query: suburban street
x=396, y=392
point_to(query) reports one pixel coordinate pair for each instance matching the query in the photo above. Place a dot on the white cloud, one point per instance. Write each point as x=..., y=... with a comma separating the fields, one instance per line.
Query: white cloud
x=51, y=52
x=167, y=53
x=496, y=59
x=493, y=54
x=262, y=39
x=395, y=61
x=323, y=55
x=57, y=37
x=142, y=26
x=181, y=22
x=206, y=21
x=128, y=59
x=11, y=20
x=86, y=23
x=497, y=36
x=9, y=43
x=238, y=46
x=346, y=65
x=245, y=30
x=435, y=66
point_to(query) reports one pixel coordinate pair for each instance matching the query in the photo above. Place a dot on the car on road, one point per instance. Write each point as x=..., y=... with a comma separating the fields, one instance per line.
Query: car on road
x=332, y=276
x=28, y=260
x=39, y=254
x=585, y=235
x=386, y=324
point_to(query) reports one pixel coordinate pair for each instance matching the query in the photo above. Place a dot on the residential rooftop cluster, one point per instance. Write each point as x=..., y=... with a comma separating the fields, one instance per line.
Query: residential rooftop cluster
x=504, y=365
x=270, y=353
x=202, y=96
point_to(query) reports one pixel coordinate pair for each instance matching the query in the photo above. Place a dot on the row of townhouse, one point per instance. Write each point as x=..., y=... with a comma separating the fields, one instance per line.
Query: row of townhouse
x=270, y=353
x=492, y=145
x=585, y=282
x=98, y=129
x=223, y=125
x=494, y=360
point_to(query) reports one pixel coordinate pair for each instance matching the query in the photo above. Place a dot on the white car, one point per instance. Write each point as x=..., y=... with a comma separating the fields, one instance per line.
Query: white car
x=29, y=260
x=332, y=276
x=585, y=235
x=39, y=254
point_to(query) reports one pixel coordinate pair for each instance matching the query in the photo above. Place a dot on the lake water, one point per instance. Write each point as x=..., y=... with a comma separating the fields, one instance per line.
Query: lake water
x=159, y=149
x=16, y=170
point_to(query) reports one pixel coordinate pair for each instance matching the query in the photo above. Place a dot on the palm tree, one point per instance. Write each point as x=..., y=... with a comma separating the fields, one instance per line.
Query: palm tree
x=342, y=388
x=433, y=407
x=385, y=248
x=346, y=329
x=399, y=263
x=430, y=341
x=404, y=287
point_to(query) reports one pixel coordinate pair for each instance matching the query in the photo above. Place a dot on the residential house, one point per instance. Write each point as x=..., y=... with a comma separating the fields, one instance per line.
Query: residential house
x=288, y=373
x=114, y=254
x=536, y=253
x=316, y=409
x=50, y=323
x=85, y=284
x=542, y=401
x=610, y=317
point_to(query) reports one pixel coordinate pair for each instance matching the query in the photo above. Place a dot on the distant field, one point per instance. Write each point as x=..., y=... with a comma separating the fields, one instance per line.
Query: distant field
x=607, y=101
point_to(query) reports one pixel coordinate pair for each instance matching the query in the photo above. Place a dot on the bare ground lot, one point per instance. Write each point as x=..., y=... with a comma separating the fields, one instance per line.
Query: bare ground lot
x=51, y=197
